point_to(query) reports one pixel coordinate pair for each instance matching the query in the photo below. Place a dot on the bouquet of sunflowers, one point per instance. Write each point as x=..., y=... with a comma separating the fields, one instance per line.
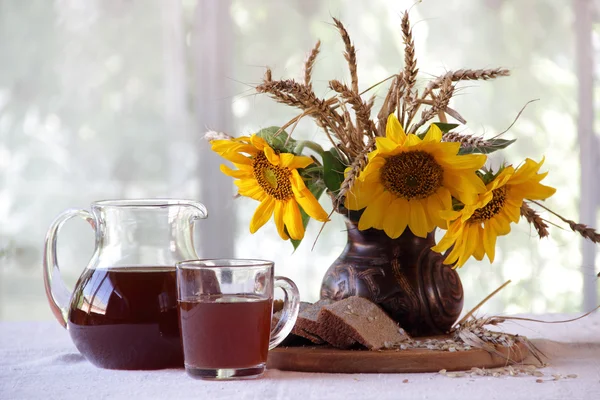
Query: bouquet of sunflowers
x=406, y=169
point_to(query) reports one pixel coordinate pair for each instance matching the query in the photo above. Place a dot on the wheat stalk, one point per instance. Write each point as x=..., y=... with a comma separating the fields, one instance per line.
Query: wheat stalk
x=310, y=62
x=350, y=54
x=301, y=96
x=466, y=141
x=584, y=230
x=390, y=103
x=410, y=68
x=351, y=130
x=534, y=219
x=364, y=124
x=358, y=164
x=467, y=75
x=440, y=103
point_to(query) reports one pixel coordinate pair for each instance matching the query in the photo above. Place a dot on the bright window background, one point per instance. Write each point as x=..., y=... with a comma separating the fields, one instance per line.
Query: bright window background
x=110, y=99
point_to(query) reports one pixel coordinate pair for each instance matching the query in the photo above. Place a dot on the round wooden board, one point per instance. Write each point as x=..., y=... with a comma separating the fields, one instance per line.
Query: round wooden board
x=327, y=359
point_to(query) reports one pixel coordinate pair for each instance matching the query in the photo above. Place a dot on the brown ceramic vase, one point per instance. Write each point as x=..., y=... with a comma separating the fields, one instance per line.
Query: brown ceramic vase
x=404, y=276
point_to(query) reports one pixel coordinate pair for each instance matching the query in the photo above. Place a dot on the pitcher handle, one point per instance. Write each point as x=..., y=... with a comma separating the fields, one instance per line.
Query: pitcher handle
x=56, y=290
x=289, y=313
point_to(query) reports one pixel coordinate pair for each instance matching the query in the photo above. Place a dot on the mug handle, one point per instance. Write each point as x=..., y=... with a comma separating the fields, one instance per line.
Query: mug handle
x=291, y=306
x=56, y=290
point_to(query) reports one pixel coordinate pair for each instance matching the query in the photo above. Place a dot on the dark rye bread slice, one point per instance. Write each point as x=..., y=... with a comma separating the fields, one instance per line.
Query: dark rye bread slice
x=304, y=313
x=307, y=326
x=363, y=321
x=296, y=332
x=308, y=323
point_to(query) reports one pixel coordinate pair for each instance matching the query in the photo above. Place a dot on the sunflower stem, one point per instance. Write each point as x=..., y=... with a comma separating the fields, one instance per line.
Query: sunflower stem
x=309, y=145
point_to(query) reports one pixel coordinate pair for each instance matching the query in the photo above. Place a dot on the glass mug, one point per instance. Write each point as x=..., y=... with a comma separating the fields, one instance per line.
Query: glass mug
x=225, y=308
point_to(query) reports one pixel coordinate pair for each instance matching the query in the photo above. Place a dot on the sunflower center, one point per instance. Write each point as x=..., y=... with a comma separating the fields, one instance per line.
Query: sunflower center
x=274, y=180
x=412, y=175
x=492, y=208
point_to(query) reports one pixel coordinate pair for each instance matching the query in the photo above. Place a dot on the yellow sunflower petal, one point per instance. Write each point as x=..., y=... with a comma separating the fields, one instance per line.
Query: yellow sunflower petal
x=278, y=216
x=249, y=188
x=467, y=161
x=293, y=162
x=258, y=142
x=227, y=146
x=465, y=187
x=450, y=215
x=311, y=205
x=272, y=157
x=455, y=230
x=394, y=130
x=456, y=253
x=237, y=158
x=471, y=243
x=479, y=250
x=412, y=140
x=239, y=174
x=375, y=213
x=293, y=220
x=512, y=213
x=397, y=219
x=297, y=181
x=445, y=152
x=362, y=194
x=533, y=191
x=385, y=145
x=500, y=224
x=434, y=134
x=489, y=241
x=526, y=171
x=372, y=172
x=504, y=176
x=445, y=197
x=262, y=214
x=417, y=220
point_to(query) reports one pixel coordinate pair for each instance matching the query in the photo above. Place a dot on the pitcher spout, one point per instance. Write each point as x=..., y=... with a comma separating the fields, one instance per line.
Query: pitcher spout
x=200, y=211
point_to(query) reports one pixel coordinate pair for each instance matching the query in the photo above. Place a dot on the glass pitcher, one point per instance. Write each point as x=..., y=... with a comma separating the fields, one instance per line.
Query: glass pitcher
x=122, y=313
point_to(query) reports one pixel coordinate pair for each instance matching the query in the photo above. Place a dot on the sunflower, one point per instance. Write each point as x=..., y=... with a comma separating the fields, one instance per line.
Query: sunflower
x=473, y=230
x=273, y=179
x=408, y=181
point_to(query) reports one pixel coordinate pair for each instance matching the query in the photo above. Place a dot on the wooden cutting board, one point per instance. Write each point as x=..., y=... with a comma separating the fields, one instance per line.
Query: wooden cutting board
x=327, y=359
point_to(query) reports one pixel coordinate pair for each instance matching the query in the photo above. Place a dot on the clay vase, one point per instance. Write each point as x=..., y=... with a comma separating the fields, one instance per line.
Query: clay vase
x=404, y=276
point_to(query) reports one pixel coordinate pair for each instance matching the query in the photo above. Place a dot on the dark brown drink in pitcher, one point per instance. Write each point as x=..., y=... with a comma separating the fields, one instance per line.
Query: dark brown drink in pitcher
x=126, y=318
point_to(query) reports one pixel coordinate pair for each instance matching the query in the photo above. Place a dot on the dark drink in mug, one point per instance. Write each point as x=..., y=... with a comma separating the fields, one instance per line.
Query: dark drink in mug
x=226, y=331
x=225, y=310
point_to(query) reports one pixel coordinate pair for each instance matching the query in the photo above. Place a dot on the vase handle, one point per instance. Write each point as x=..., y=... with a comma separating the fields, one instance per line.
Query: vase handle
x=56, y=290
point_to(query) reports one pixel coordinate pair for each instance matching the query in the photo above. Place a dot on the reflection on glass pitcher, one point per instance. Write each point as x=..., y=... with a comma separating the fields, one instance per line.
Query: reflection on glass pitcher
x=122, y=313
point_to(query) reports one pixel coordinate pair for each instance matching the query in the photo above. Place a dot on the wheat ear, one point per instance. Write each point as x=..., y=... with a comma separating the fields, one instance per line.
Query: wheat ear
x=534, y=219
x=310, y=62
x=410, y=69
x=584, y=230
x=357, y=166
x=350, y=54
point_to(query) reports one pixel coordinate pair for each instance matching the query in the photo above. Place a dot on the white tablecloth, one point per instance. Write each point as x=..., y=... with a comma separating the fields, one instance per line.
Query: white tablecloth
x=38, y=361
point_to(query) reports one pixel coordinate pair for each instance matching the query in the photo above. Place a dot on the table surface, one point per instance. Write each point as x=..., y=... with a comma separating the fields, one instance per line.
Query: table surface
x=38, y=360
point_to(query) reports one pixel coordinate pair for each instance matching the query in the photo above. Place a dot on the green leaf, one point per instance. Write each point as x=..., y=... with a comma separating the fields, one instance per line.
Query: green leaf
x=492, y=145
x=281, y=142
x=317, y=190
x=333, y=170
x=488, y=175
x=444, y=127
